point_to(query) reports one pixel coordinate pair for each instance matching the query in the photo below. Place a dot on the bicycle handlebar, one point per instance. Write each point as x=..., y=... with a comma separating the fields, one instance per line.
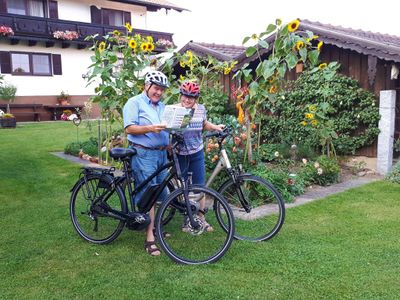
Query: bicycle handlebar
x=219, y=134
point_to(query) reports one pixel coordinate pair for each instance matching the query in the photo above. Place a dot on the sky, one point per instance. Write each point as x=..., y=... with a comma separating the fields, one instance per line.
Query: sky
x=228, y=22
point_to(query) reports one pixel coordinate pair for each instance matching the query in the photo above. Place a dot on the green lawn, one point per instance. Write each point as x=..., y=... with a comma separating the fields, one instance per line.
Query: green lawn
x=345, y=246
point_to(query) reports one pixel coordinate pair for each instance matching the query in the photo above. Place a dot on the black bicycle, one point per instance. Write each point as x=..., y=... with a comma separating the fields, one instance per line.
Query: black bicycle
x=258, y=207
x=99, y=210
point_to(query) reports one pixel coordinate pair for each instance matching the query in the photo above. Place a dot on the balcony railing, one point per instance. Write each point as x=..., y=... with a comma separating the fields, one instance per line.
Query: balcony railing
x=37, y=29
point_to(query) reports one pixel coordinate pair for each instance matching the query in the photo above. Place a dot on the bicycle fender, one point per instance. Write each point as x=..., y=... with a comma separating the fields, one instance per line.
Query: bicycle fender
x=105, y=177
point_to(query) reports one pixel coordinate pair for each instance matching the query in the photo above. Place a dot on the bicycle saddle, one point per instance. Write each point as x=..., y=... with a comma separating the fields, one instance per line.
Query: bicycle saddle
x=122, y=153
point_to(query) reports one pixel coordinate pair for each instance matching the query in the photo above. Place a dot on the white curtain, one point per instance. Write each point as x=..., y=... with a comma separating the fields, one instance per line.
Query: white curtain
x=36, y=8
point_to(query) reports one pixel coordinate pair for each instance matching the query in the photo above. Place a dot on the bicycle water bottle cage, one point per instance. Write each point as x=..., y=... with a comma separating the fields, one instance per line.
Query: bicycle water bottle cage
x=122, y=153
x=137, y=221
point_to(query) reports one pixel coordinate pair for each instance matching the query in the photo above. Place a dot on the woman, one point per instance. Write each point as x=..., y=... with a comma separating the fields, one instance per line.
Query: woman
x=191, y=155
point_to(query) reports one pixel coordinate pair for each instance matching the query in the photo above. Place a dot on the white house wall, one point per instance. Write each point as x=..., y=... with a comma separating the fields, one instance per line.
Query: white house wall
x=74, y=64
x=76, y=10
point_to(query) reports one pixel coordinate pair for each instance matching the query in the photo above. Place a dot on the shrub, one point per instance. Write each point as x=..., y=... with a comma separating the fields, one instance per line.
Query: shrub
x=352, y=111
x=394, y=174
x=323, y=171
x=89, y=147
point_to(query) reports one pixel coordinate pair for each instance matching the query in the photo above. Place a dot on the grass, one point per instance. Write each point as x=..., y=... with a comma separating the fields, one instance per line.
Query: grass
x=345, y=246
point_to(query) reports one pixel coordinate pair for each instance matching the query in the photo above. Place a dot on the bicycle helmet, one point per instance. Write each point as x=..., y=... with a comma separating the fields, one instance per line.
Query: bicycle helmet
x=156, y=77
x=190, y=89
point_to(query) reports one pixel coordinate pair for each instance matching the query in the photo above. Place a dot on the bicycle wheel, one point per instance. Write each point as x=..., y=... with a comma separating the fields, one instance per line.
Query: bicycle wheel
x=196, y=245
x=89, y=209
x=266, y=208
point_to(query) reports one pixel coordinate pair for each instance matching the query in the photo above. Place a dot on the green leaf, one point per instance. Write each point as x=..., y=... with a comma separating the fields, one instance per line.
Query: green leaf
x=263, y=44
x=313, y=57
x=270, y=28
x=253, y=88
x=250, y=51
x=303, y=53
x=245, y=40
x=291, y=60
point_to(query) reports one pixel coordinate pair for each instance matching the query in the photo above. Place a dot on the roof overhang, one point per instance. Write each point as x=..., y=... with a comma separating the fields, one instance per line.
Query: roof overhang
x=153, y=5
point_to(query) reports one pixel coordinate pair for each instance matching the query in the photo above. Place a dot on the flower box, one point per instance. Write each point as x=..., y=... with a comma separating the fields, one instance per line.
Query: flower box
x=9, y=122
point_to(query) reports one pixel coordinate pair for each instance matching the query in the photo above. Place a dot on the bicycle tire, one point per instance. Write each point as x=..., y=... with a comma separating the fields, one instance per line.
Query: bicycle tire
x=195, y=246
x=86, y=217
x=259, y=224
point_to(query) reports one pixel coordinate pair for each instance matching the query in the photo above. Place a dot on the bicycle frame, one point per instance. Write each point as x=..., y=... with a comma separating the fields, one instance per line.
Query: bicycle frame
x=174, y=172
x=224, y=163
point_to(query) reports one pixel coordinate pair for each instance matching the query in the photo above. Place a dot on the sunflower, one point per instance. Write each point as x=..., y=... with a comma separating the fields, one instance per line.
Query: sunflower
x=273, y=89
x=102, y=46
x=128, y=27
x=292, y=26
x=304, y=123
x=190, y=55
x=309, y=116
x=182, y=64
x=313, y=108
x=322, y=66
x=132, y=43
x=320, y=44
x=314, y=122
x=116, y=32
x=299, y=45
x=150, y=47
x=143, y=47
x=227, y=70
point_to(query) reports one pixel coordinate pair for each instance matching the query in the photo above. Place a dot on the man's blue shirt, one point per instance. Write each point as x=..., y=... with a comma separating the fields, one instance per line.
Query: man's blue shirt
x=139, y=110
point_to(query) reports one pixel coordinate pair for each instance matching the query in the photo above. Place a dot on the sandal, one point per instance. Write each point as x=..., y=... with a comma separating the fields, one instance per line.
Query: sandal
x=207, y=226
x=148, y=247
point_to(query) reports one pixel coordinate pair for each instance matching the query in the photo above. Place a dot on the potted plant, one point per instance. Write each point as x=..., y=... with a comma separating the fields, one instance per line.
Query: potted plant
x=63, y=98
x=8, y=121
x=7, y=92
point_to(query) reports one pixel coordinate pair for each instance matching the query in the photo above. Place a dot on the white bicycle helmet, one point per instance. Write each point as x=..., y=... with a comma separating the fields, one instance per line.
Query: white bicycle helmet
x=156, y=77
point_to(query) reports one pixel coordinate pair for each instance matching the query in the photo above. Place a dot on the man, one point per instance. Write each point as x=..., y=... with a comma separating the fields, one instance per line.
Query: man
x=142, y=122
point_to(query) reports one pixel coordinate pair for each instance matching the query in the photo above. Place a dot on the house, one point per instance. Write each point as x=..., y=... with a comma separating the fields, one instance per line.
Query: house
x=43, y=49
x=373, y=59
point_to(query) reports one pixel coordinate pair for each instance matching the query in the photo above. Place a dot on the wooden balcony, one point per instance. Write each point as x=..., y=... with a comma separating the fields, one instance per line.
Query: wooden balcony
x=36, y=29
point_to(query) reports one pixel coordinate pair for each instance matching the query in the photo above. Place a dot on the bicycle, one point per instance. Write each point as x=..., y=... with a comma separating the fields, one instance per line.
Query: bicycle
x=99, y=210
x=244, y=191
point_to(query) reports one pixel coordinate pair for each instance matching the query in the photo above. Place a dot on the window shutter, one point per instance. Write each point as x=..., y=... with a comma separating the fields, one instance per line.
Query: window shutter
x=5, y=62
x=95, y=14
x=57, y=67
x=127, y=17
x=3, y=6
x=53, y=9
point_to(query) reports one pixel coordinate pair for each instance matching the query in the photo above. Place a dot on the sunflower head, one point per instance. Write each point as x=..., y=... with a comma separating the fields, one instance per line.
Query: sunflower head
x=150, y=47
x=143, y=47
x=299, y=45
x=320, y=44
x=132, y=44
x=102, y=46
x=322, y=66
x=273, y=89
x=128, y=27
x=294, y=25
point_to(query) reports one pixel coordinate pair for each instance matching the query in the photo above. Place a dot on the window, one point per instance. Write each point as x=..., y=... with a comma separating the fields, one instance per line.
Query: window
x=26, y=7
x=113, y=17
x=30, y=64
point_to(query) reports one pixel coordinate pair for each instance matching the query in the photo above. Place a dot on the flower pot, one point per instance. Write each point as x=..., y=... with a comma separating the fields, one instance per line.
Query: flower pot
x=63, y=102
x=8, y=122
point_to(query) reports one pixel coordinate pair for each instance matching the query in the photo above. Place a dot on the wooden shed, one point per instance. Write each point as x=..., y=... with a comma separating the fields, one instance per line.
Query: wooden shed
x=373, y=59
